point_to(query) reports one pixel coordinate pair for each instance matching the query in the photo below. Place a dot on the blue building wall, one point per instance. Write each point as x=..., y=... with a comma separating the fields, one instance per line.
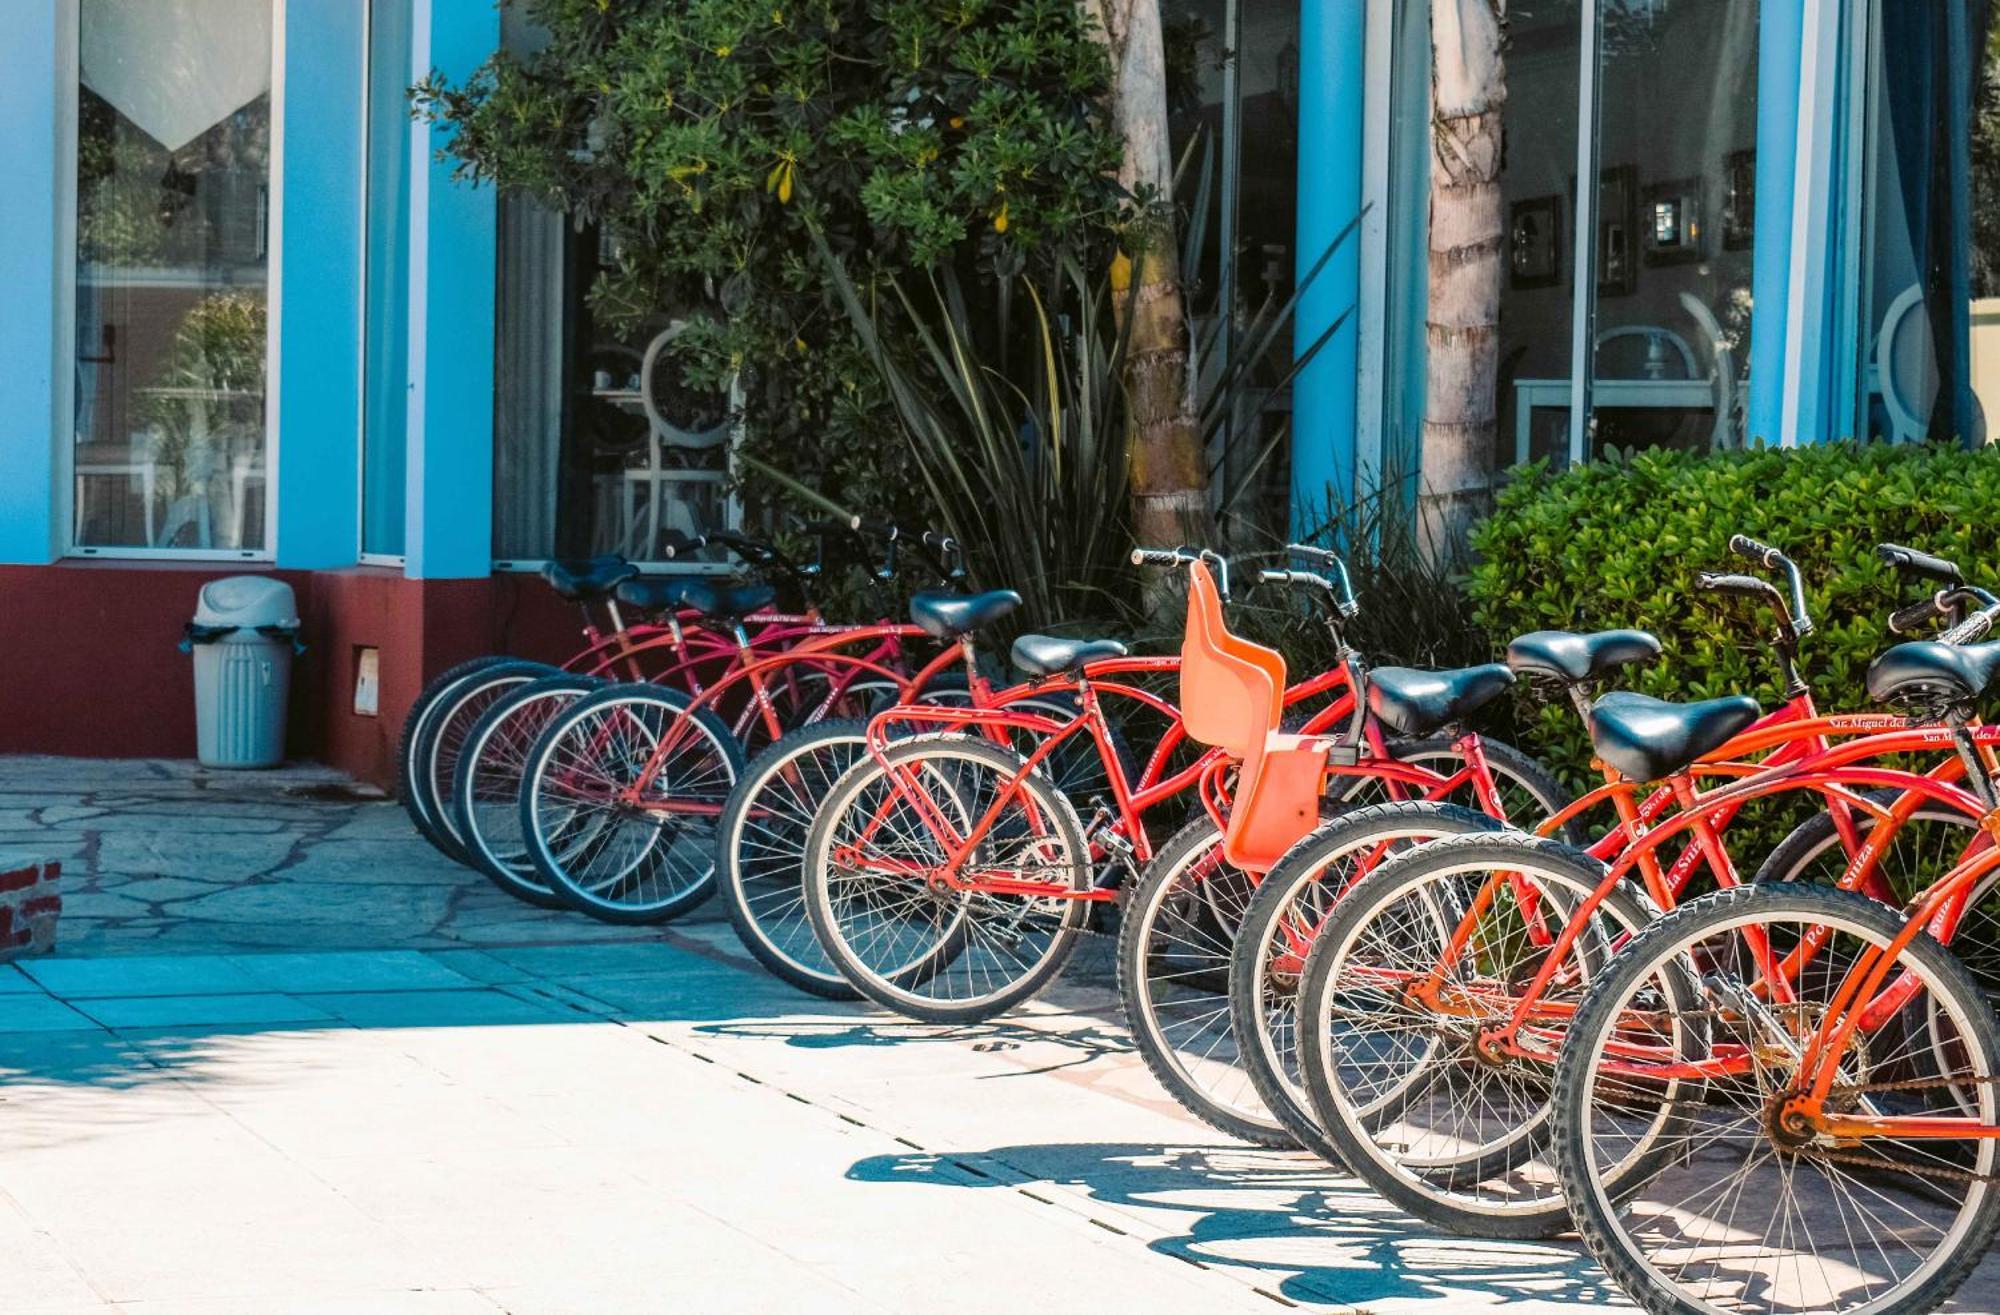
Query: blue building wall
x=30, y=101
x=314, y=296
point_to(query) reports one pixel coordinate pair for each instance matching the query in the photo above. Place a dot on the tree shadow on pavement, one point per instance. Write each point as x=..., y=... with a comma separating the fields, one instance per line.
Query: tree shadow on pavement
x=1320, y=1236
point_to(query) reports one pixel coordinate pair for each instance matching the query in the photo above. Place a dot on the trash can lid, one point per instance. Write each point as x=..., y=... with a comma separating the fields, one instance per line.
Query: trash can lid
x=246, y=600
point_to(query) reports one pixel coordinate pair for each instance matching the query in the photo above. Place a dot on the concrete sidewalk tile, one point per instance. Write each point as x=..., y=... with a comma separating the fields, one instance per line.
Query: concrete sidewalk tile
x=429, y=1301
x=626, y=959
x=350, y=970
x=148, y=1011
x=478, y=965
x=477, y=1008
x=141, y=975
x=38, y=1013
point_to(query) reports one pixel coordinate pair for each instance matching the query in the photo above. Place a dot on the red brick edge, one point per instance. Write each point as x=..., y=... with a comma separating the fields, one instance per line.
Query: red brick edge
x=30, y=904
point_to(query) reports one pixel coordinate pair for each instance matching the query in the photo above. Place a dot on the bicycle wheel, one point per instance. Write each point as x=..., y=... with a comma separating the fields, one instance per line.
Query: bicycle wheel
x=443, y=739
x=1414, y=964
x=1925, y=847
x=620, y=802
x=415, y=799
x=1528, y=790
x=877, y=890
x=761, y=846
x=1758, y=1209
x=1173, y=960
x=1269, y=953
x=486, y=783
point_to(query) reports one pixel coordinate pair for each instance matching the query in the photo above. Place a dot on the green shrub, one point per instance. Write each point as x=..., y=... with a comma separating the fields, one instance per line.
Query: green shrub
x=1618, y=543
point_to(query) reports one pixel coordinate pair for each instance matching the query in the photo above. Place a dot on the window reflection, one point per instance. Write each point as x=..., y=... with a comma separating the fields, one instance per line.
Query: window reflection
x=172, y=182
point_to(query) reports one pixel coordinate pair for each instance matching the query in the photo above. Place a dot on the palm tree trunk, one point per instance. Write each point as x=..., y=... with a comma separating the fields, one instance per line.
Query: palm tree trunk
x=1462, y=320
x=1169, y=474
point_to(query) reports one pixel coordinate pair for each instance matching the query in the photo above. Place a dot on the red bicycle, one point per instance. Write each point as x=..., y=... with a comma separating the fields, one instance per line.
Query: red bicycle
x=1438, y=992
x=948, y=877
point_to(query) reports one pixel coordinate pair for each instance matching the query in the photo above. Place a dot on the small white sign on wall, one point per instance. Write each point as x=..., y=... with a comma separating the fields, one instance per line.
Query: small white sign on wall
x=368, y=682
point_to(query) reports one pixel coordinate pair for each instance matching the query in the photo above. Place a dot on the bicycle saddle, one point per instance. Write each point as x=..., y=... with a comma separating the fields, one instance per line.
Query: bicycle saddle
x=1647, y=738
x=1927, y=674
x=1045, y=655
x=1413, y=702
x=1564, y=655
x=658, y=595
x=654, y=595
x=949, y=616
x=583, y=580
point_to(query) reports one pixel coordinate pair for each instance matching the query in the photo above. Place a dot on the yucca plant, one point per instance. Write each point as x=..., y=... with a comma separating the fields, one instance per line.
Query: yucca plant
x=1027, y=468
x=1019, y=432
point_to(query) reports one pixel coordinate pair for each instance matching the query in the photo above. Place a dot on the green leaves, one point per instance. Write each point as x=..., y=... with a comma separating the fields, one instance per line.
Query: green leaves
x=1618, y=542
x=709, y=136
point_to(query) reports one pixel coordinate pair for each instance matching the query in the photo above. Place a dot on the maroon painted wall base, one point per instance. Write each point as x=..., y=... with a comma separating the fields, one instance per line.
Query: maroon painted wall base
x=89, y=667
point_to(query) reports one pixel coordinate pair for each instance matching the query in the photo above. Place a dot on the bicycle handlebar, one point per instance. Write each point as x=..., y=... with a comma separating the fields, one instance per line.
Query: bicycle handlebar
x=1974, y=627
x=1792, y=611
x=1910, y=561
x=1340, y=584
x=1756, y=550
x=1184, y=556
x=1741, y=586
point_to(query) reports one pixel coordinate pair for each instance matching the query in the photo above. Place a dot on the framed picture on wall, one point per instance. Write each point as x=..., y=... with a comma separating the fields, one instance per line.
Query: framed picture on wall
x=1672, y=228
x=1739, y=200
x=1534, y=242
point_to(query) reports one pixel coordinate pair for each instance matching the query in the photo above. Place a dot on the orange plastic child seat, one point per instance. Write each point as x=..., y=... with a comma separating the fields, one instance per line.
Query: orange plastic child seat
x=1232, y=697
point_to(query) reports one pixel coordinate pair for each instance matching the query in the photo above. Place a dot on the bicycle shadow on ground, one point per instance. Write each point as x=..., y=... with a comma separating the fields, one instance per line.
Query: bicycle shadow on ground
x=1080, y=1045
x=1321, y=1237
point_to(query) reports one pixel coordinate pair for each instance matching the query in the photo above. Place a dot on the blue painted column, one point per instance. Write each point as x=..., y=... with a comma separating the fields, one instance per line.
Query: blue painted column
x=324, y=47
x=449, y=519
x=32, y=41
x=1780, y=31
x=1332, y=71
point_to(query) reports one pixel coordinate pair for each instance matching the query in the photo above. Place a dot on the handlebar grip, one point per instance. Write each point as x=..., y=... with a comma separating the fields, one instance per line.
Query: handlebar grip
x=1743, y=586
x=1974, y=627
x=1904, y=620
x=882, y=530
x=938, y=542
x=1910, y=561
x=1158, y=557
x=1324, y=556
x=683, y=543
x=1755, y=549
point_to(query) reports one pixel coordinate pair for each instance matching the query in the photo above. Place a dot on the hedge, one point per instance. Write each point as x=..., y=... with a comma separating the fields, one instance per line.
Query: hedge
x=1618, y=543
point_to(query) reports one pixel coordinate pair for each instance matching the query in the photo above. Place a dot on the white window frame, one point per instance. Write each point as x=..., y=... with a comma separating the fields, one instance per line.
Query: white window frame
x=64, y=494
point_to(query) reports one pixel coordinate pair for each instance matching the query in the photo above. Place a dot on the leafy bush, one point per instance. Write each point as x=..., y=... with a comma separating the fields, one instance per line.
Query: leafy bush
x=1618, y=543
x=708, y=138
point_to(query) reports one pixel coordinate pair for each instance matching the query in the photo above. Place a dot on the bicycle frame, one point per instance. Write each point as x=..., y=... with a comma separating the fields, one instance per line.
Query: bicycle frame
x=1131, y=798
x=1836, y=770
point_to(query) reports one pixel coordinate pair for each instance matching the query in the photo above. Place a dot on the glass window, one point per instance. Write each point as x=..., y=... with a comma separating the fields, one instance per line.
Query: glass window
x=596, y=446
x=1245, y=156
x=172, y=201
x=1676, y=148
x=385, y=361
x=1539, y=124
x=1930, y=263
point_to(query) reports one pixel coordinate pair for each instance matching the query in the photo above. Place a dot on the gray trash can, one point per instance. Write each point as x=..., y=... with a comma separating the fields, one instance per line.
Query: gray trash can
x=243, y=637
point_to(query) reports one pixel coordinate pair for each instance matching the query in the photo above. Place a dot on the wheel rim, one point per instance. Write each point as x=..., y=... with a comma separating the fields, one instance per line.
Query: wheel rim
x=765, y=848
x=488, y=782
x=1737, y=1218
x=448, y=742
x=1426, y=1111
x=601, y=839
x=957, y=950
x=1183, y=983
